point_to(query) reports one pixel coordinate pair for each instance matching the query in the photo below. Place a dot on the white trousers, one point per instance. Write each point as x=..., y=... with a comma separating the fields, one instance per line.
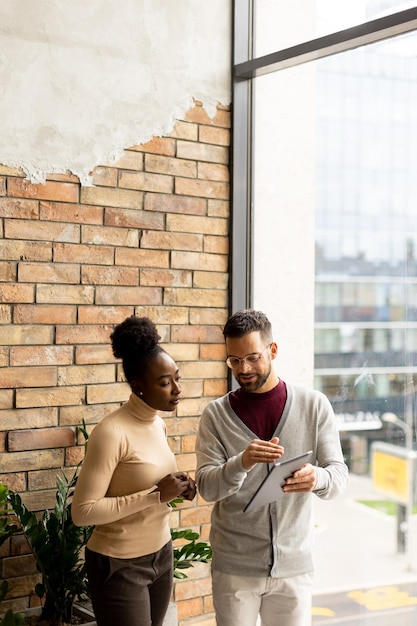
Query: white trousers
x=242, y=600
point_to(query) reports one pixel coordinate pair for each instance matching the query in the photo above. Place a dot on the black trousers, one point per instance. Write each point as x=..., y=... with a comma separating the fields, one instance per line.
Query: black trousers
x=130, y=592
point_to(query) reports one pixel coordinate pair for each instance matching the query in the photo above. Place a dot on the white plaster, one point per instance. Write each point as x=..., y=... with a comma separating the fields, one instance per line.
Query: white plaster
x=81, y=81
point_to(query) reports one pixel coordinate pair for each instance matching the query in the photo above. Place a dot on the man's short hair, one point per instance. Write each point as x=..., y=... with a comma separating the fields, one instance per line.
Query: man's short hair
x=248, y=321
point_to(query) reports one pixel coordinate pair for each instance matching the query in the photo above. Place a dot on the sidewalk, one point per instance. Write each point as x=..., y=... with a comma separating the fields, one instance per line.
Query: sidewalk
x=356, y=546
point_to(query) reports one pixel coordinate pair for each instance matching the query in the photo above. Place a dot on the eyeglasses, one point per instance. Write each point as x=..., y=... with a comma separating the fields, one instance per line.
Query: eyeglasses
x=249, y=359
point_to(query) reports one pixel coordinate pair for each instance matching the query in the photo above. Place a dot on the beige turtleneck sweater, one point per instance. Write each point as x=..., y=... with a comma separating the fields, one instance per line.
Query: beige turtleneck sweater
x=127, y=455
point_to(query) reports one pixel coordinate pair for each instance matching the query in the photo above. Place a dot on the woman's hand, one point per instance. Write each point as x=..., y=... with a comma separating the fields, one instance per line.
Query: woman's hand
x=173, y=486
x=191, y=491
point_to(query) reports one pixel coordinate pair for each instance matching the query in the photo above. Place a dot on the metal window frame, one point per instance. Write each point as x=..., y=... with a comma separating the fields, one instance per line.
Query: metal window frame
x=245, y=70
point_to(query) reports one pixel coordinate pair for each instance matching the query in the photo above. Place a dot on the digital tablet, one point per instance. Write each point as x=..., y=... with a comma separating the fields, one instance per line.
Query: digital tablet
x=271, y=487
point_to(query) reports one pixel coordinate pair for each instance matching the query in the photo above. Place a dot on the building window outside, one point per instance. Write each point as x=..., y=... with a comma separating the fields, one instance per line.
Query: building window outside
x=366, y=235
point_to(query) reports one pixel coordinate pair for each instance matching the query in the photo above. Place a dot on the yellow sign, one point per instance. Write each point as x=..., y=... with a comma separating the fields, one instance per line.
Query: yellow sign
x=391, y=475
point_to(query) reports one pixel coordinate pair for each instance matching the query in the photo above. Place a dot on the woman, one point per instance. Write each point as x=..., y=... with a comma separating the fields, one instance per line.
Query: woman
x=127, y=479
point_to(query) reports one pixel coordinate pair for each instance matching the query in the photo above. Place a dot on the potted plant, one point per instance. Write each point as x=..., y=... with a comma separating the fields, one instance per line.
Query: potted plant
x=56, y=544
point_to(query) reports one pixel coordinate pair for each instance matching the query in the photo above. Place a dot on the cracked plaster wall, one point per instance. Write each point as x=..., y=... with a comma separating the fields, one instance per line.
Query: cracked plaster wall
x=83, y=80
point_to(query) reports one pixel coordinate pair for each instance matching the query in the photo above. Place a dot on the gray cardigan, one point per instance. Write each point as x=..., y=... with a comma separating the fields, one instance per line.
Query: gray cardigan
x=274, y=540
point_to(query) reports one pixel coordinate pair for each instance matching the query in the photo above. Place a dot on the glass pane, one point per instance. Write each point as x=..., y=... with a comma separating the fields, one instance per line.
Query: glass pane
x=334, y=193
x=366, y=285
x=280, y=24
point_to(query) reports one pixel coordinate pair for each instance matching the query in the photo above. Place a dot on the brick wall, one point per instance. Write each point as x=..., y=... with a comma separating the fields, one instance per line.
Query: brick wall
x=149, y=238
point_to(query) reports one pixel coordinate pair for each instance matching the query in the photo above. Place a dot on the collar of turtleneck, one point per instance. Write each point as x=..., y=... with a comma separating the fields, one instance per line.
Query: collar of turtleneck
x=140, y=410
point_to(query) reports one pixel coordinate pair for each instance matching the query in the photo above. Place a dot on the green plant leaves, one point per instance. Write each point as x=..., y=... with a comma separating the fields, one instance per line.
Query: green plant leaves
x=191, y=552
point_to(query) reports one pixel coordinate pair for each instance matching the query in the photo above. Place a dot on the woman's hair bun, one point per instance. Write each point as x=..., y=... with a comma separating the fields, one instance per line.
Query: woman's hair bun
x=134, y=336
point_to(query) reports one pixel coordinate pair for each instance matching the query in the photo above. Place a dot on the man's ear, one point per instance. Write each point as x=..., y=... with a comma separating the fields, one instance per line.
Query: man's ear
x=274, y=350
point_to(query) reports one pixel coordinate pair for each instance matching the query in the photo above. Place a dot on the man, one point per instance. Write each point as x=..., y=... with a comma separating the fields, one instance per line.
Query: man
x=262, y=563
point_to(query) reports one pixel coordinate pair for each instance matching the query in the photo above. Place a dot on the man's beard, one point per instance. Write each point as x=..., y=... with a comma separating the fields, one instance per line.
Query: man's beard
x=254, y=386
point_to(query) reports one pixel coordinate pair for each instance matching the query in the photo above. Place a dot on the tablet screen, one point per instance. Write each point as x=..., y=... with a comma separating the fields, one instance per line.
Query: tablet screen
x=270, y=489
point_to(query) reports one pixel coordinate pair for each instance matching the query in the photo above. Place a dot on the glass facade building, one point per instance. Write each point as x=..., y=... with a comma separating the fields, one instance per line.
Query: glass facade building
x=366, y=236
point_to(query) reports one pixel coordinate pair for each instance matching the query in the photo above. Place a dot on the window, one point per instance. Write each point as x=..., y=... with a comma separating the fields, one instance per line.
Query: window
x=325, y=238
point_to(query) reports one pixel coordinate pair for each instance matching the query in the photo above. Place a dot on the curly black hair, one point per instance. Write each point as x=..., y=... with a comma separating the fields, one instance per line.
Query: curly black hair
x=248, y=321
x=136, y=342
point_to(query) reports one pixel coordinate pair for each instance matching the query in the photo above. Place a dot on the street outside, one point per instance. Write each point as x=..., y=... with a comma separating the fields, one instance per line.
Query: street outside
x=361, y=578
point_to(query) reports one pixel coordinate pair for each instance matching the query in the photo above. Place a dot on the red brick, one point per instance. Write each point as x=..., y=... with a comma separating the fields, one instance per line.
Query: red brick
x=105, y=235
x=54, y=396
x=217, y=245
x=17, y=293
x=215, y=135
x=50, y=190
x=45, y=314
x=73, y=456
x=49, y=273
x=208, y=189
x=144, y=181
x=215, y=388
x=189, y=608
x=42, y=231
x=28, y=418
x=19, y=208
x=170, y=166
x=14, y=377
x=93, y=254
x=199, y=334
x=25, y=334
x=199, y=261
x=94, y=354
x=97, y=275
x=83, y=334
x=65, y=294
x=18, y=566
x=5, y=318
x=14, y=480
x=213, y=171
x=197, y=224
x=25, y=250
x=202, y=152
x=104, y=176
x=25, y=461
x=134, y=218
x=6, y=399
x=63, y=212
x=158, y=145
x=130, y=160
x=198, y=114
x=40, y=439
x=128, y=295
x=142, y=258
x=218, y=208
x=163, y=278
x=172, y=241
x=107, y=196
x=94, y=314
x=175, y=204
x=42, y=479
x=86, y=374
x=8, y=272
x=213, y=352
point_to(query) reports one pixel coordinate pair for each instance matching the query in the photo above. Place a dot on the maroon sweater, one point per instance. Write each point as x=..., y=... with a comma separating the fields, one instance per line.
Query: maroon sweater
x=260, y=412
